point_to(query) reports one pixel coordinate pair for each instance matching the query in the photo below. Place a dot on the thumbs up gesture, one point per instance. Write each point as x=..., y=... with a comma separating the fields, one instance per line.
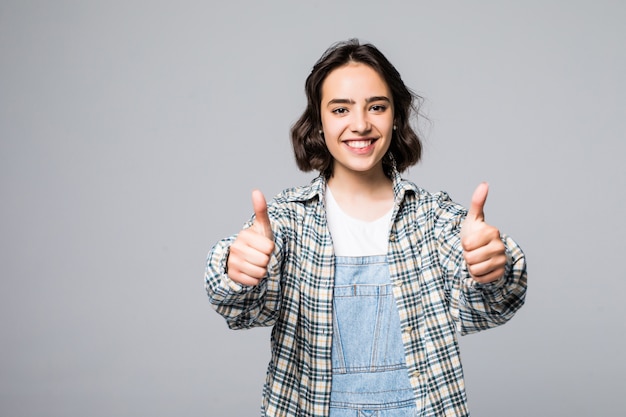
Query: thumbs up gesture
x=483, y=249
x=250, y=252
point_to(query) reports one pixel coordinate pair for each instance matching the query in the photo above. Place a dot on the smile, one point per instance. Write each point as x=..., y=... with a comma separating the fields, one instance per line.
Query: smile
x=360, y=144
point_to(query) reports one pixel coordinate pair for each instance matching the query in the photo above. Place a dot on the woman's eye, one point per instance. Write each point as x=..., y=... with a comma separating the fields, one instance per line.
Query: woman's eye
x=340, y=110
x=379, y=107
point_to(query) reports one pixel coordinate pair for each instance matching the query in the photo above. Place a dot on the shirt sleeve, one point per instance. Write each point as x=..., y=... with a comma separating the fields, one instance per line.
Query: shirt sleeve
x=242, y=306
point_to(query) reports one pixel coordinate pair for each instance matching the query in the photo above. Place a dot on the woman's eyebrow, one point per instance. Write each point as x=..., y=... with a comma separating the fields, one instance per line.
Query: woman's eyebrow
x=350, y=101
x=340, y=101
x=378, y=98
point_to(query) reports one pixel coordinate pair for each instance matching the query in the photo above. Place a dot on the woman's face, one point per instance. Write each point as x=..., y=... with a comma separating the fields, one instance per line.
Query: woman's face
x=357, y=119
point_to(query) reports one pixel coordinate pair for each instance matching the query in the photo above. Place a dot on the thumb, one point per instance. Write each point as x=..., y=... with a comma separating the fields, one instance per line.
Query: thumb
x=261, y=223
x=476, y=210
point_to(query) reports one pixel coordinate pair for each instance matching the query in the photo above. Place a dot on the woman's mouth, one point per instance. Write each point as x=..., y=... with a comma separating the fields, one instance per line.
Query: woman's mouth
x=360, y=144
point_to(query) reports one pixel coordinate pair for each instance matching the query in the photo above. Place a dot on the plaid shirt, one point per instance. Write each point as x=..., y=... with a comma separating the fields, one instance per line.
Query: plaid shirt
x=435, y=295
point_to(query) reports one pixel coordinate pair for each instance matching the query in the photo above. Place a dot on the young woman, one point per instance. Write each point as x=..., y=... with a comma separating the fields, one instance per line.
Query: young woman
x=365, y=277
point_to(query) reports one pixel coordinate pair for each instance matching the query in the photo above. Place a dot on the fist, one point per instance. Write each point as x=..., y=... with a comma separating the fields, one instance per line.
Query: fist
x=483, y=249
x=250, y=252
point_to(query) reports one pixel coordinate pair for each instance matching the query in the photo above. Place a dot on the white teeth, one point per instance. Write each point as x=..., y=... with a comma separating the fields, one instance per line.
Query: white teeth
x=359, y=143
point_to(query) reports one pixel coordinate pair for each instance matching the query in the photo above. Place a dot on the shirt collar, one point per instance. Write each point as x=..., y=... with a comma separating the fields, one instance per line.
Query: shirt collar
x=317, y=188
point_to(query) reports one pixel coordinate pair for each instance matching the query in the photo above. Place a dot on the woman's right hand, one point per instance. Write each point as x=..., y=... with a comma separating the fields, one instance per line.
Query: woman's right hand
x=250, y=252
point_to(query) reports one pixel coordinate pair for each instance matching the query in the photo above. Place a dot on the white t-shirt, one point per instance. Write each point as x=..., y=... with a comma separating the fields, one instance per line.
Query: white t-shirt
x=354, y=237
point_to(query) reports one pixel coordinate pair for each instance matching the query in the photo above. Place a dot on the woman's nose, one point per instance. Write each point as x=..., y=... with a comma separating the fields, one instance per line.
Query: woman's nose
x=360, y=122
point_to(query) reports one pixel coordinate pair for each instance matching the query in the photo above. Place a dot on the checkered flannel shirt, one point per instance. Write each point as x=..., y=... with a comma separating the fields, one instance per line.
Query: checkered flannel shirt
x=436, y=298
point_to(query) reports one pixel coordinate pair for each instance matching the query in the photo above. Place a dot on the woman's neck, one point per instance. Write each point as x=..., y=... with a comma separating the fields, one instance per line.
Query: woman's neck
x=365, y=196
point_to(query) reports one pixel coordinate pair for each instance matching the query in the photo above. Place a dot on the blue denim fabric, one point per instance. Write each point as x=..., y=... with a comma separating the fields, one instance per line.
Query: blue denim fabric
x=369, y=371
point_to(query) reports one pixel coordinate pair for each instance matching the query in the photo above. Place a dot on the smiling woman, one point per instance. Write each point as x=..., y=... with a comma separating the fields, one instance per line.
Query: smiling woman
x=365, y=277
x=357, y=129
x=357, y=132
x=309, y=145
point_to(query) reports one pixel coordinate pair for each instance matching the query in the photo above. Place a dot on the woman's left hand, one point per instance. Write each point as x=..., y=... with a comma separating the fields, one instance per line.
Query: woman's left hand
x=483, y=249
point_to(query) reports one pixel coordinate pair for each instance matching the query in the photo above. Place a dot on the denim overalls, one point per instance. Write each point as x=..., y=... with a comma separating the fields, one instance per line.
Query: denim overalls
x=369, y=369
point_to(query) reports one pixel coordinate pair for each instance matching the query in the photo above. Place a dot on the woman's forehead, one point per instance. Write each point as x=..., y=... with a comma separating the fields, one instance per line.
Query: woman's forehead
x=354, y=81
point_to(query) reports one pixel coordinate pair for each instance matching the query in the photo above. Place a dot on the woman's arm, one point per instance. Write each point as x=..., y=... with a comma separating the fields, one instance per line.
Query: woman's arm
x=242, y=276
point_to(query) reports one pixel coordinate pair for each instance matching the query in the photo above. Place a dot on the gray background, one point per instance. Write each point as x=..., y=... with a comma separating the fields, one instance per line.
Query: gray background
x=131, y=135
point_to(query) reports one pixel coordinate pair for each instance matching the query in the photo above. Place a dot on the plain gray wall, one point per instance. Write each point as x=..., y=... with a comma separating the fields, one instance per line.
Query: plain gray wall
x=131, y=135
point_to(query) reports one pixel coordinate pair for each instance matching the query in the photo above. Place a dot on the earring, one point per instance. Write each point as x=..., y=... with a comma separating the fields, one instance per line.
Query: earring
x=394, y=127
x=321, y=132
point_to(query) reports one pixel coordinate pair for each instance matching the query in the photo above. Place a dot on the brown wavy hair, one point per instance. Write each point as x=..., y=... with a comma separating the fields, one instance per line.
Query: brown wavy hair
x=308, y=143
